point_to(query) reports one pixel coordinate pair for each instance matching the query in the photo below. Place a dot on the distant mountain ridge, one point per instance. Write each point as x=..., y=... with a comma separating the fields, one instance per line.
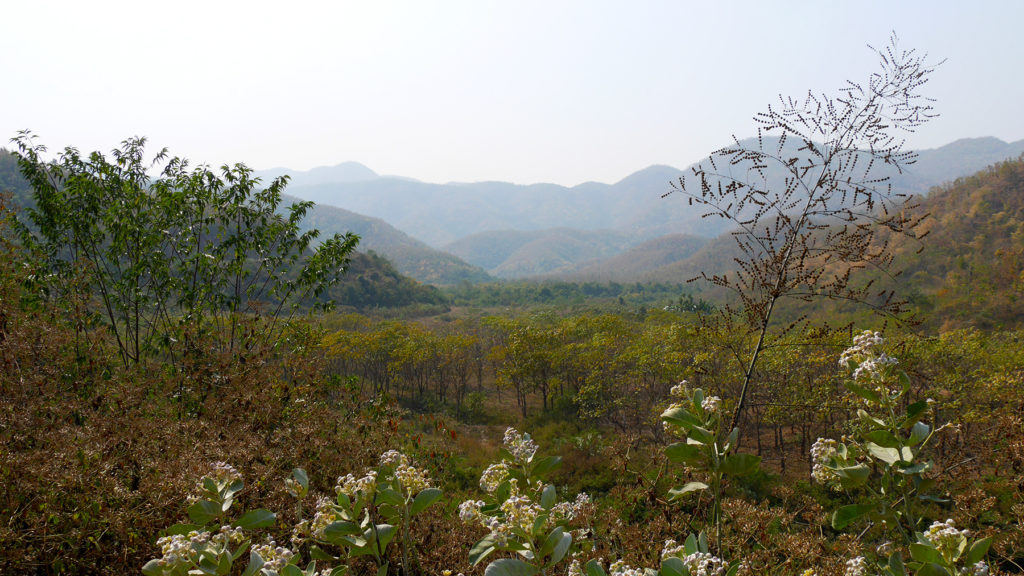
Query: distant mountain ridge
x=515, y=231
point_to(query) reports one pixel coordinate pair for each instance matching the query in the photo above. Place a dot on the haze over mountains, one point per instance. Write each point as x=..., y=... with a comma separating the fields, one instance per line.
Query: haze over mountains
x=448, y=233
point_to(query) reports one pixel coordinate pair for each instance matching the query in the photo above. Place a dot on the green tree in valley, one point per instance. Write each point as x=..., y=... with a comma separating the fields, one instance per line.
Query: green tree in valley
x=166, y=263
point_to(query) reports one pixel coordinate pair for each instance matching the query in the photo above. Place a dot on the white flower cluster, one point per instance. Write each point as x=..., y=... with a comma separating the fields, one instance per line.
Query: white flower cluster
x=520, y=511
x=180, y=550
x=698, y=563
x=521, y=446
x=620, y=568
x=176, y=550
x=671, y=548
x=945, y=537
x=680, y=391
x=352, y=487
x=413, y=480
x=274, y=557
x=869, y=363
x=493, y=476
x=223, y=475
x=469, y=511
x=823, y=450
x=575, y=568
x=326, y=514
x=704, y=564
x=856, y=566
x=710, y=404
x=569, y=511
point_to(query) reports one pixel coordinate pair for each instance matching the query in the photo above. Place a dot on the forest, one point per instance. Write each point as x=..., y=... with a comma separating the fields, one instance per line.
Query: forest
x=193, y=382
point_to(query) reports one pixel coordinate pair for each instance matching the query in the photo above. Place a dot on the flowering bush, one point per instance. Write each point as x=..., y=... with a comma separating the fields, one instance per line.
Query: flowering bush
x=206, y=545
x=368, y=512
x=882, y=461
x=695, y=417
x=521, y=512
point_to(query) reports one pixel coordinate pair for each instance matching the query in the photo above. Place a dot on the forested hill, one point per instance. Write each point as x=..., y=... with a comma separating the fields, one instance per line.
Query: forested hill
x=971, y=270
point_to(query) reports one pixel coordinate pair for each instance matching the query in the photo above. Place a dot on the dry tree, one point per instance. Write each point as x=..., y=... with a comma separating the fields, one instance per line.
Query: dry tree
x=811, y=200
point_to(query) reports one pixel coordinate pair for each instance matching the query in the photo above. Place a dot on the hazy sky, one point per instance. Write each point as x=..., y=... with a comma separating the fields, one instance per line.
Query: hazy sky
x=523, y=91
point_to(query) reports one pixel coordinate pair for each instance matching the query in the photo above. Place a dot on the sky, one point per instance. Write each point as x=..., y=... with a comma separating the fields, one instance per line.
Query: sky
x=524, y=91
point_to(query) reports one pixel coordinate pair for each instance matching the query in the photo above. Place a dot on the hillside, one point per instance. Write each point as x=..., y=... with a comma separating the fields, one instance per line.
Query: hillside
x=410, y=256
x=971, y=270
x=515, y=254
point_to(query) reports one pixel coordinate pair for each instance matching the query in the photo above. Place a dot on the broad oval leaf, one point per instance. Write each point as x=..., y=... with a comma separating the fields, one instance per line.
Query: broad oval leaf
x=681, y=452
x=259, y=518
x=673, y=566
x=509, y=567
x=423, y=499
x=845, y=515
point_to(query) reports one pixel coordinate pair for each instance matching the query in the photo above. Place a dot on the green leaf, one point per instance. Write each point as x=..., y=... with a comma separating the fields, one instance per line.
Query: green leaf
x=677, y=493
x=932, y=569
x=924, y=553
x=335, y=532
x=680, y=417
x=673, y=566
x=740, y=464
x=291, y=570
x=701, y=435
x=734, y=437
x=258, y=518
x=883, y=438
x=888, y=455
x=896, y=565
x=914, y=468
x=203, y=511
x=690, y=545
x=863, y=415
x=593, y=568
x=978, y=551
x=845, y=515
x=481, y=550
x=914, y=411
x=153, y=568
x=853, y=476
x=863, y=392
x=551, y=540
x=918, y=433
x=300, y=476
x=689, y=454
x=548, y=497
x=423, y=499
x=254, y=566
x=560, y=549
x=544, y=465
x=509, y=567
x=390, y=496
x=182, y=529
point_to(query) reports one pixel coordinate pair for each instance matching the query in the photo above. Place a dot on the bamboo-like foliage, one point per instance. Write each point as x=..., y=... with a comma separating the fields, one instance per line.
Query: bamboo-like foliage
x=811, y=200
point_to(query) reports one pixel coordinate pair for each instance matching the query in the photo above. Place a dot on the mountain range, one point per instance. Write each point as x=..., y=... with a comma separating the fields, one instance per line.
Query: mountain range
x=449, y=233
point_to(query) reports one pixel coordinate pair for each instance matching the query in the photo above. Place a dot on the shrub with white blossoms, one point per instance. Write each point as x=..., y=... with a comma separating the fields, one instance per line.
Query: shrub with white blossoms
x=882, y=463
x=211, y=543
x=369, y=511
x=695, y=418
x=521, y=513
x=691, y=558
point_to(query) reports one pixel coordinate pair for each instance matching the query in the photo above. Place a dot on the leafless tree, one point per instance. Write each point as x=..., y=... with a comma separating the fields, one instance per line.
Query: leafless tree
x=811, y=201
